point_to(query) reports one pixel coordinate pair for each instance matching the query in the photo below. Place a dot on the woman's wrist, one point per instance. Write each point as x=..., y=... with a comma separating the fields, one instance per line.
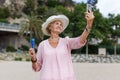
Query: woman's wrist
x=33, y=60
x=88, y=29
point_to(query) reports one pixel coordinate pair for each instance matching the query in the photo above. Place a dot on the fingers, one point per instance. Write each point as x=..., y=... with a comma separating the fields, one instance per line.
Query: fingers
x=90, y=18
x=89, y=15
x=31, y=52
x=89, y=11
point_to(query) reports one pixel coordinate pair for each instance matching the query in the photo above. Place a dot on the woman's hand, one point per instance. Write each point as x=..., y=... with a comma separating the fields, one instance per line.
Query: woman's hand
x=33, y=59
x=89, y=17
x=32, y=54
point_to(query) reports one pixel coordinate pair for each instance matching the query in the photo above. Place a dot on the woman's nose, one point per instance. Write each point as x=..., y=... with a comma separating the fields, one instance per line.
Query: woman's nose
x=60, y=27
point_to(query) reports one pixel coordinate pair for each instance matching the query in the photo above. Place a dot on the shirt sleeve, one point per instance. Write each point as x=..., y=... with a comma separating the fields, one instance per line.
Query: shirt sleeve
x=74, y=43
x=39, y=57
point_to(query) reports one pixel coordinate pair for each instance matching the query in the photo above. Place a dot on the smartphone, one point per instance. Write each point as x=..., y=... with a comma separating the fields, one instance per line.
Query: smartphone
x=89, y=7
x=32, y=42
x=90, y=4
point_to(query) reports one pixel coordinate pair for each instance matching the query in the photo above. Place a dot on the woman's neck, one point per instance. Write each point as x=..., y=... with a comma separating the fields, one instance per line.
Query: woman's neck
x=54, y=37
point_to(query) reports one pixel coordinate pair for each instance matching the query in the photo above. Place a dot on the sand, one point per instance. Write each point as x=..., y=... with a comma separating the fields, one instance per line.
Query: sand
x=13, y=70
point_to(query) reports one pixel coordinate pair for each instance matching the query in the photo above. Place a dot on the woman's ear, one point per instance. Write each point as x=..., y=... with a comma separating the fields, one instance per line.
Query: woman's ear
x=50, y=28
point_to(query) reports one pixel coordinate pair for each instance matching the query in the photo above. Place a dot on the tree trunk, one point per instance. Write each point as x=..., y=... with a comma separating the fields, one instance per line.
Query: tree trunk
x=35, y=5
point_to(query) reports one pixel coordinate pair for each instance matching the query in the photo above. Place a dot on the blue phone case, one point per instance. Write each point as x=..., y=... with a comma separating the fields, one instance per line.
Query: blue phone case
x=32, y=42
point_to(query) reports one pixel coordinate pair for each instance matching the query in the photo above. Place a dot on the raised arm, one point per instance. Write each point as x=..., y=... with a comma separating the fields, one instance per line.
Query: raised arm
x=89, y=18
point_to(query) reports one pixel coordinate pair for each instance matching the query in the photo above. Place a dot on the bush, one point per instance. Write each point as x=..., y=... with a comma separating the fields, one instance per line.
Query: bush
x=4, y=20
x=28, y=59
x=18, y=58
x=41, y=10
x=10, y=49
x=4, y=13
x=24, y=48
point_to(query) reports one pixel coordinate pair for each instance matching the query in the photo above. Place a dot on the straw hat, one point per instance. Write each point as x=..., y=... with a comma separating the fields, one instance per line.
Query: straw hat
x=62, y=18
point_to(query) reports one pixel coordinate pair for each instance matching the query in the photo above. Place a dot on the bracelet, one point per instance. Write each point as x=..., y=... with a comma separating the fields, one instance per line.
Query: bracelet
x=87, y=29
x=33, y=61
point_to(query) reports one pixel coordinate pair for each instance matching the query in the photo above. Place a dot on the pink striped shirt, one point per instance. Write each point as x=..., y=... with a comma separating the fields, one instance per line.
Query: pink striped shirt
x=56, y=63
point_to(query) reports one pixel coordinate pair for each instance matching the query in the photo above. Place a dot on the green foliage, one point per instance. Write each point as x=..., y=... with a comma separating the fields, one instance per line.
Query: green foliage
x=29, y=7
x=24, y=48
x=18, y=58
x=92, y=49
x=28, y=59
x=97, y=34
x=41, y=10
x=63, y=10
x=116, y=32
x=106, y=42
x=101, y=27
x=110, y=49
x=16, y=15
x=49, y=12
x=4, y=20
x=10, y=49
x=4, y=13
x=68, y=3
x=40, y=2
x=77, y=21
x=52, y=3
x=116, y=24
x=33, y=26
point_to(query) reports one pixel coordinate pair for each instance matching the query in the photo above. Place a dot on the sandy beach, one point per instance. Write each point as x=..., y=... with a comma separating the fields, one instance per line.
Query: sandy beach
x=11, y=70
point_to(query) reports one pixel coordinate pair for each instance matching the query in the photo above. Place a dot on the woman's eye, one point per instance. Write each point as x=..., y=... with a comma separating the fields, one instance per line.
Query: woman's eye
x=57, y=23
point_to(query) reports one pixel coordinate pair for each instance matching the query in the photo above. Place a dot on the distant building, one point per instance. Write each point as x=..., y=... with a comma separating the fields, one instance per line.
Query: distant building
x=9, y=36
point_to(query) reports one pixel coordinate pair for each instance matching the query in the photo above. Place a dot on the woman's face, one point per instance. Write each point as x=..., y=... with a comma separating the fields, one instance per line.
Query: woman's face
x=56, y=27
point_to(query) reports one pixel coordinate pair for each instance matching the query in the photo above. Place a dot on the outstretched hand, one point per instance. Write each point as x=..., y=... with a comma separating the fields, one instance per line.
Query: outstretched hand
x=90, y=18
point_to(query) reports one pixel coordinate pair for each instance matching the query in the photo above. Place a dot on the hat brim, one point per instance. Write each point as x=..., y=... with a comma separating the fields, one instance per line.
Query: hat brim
x=62, y=18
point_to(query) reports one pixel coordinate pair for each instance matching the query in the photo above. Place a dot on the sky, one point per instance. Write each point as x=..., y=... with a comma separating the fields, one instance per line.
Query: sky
x=106, y=6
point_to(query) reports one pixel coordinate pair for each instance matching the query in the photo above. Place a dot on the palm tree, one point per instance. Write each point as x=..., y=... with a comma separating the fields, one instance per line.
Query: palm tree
x=32, y=26
x=35, y=4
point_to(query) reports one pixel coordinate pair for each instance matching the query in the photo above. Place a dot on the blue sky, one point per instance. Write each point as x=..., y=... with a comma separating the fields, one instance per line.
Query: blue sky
x=106, y=6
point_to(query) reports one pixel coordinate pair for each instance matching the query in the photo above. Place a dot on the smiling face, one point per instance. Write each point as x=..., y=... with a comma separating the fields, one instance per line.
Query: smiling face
x=56, y=27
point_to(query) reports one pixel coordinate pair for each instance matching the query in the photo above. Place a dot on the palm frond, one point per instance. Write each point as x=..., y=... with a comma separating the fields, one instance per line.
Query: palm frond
x=33, y=26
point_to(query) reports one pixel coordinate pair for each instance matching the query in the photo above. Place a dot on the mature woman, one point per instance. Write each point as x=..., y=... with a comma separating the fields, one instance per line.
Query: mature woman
x=53, y=58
